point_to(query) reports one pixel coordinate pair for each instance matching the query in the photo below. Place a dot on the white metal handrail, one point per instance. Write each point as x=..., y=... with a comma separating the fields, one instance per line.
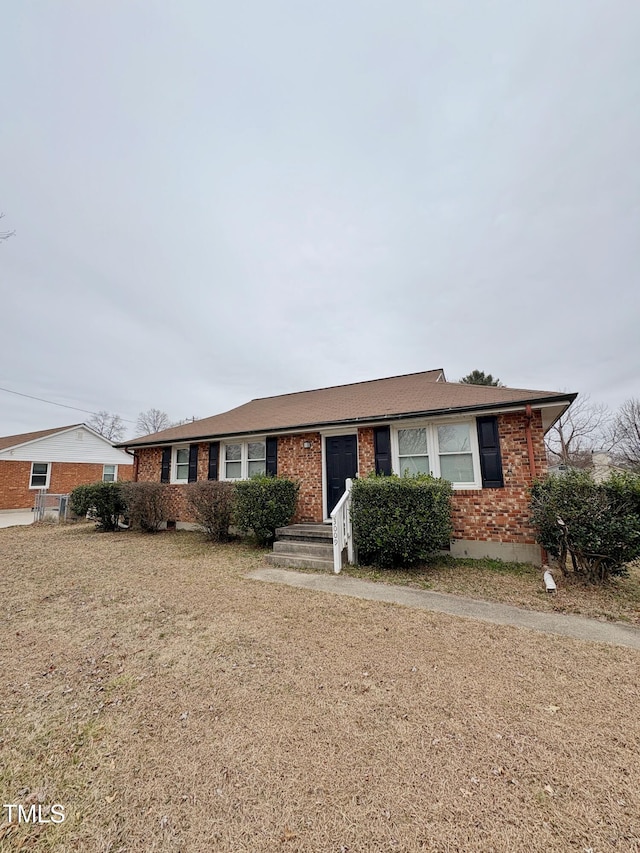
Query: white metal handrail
x=341, y=526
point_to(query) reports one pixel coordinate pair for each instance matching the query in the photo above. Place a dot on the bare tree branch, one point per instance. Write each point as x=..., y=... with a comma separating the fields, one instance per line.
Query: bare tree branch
x=626, y=433
x=108, y=425
x=153, y=420
x=584, y=427
x=4, y=235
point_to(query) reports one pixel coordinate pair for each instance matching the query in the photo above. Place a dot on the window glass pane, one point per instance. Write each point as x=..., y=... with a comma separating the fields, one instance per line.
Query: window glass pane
x=109, y=473
x=454, y=438
x=233, y=452
x=182, y=471
x=233, y=469
x=39, y=474
x=182, y=455
x=257, y=450
x=457, y=467
x=412, y=441
x=257, y=468
x=414, y=465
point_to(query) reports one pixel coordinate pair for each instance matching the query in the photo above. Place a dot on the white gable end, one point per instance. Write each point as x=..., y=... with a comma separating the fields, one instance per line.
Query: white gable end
x=75, y=445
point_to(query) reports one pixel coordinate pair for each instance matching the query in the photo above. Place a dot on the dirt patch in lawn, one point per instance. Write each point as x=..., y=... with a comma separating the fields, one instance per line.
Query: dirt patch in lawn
x=170, y=704
x=519, y=584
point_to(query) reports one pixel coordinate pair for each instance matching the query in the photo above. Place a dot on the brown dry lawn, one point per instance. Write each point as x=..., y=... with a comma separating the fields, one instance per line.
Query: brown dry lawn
x=170, y=704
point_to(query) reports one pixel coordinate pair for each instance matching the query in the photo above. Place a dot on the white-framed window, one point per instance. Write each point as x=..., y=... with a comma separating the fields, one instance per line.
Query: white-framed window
x=444, y=449
x=242, y=459
x=109, y=473
x=413, y=451
x=40, y=475
x=180, y=464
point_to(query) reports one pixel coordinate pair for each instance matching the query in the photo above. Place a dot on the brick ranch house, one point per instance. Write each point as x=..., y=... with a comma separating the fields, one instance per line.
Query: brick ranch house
x=57, y=460
x=488, y=441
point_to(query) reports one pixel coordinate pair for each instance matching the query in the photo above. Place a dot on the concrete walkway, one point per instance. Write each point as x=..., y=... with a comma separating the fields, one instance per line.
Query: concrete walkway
x=14, y=517
x=615, y=633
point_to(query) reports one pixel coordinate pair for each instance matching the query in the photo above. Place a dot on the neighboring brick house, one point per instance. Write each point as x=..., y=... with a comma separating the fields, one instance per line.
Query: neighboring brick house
x=488, y=441
x=57, y=460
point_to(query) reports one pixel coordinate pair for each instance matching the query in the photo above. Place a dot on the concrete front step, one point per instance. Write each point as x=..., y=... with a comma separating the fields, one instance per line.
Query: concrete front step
x=303, y=546
x=306, y=532
x=299, y=547
x=300, y=561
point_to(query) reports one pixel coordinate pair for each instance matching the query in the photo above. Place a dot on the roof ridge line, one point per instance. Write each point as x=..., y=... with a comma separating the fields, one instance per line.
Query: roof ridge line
x=346, y=385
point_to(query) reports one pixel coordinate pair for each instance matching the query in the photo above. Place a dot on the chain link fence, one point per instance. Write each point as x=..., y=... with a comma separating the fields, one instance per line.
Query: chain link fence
x=48, y=506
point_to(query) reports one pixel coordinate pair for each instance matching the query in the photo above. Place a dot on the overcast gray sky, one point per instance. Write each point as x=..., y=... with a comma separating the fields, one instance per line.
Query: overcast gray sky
x=219, y=201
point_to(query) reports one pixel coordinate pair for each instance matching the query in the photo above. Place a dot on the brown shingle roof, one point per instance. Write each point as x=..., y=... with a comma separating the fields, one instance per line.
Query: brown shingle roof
x=13, y=440
x=396, y=396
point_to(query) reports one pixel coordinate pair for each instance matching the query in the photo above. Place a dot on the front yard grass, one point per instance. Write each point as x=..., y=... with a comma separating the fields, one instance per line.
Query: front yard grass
x=519, y=584
x=171, y=704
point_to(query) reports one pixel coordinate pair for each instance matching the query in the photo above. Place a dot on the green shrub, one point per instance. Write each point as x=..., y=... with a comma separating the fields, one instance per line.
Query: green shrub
x=147, y=505
x=399, y=521
x=596, y=525
x=264, y=503
x=212, y=503
x=81, y=500
x=103, y=500
x=624, y=489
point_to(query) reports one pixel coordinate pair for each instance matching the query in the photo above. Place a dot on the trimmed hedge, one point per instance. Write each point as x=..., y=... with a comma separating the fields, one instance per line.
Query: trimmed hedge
x=103, y=500
x=400, y=521
x=264, y=503
x=597, y=525
x=212, y=503
x=147, y=505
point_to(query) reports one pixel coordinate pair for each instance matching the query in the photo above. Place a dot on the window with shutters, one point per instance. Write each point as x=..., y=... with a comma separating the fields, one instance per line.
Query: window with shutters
x=243, y=459
x=40, y=475
x=180, y=465
x=443, y=449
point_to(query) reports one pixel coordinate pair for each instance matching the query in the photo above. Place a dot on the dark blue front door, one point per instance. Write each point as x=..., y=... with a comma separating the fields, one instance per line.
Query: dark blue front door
x=342, y=462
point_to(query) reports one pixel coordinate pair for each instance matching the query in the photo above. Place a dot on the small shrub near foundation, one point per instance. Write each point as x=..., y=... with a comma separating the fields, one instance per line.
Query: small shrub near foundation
x=211, y=503
x=103, y=501
x=400, y=521
x=264, y=503
x=147, y=505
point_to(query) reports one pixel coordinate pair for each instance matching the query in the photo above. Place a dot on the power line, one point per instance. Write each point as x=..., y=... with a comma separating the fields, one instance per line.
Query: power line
x=62, y=405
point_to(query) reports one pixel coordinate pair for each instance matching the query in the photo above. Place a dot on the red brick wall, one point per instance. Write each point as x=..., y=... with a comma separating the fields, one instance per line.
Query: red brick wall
x=65, y=476
x=149, y=470
x=502, y=515
x=499, y=515
x=294, y=461
x=305, y=465
x=366, y=452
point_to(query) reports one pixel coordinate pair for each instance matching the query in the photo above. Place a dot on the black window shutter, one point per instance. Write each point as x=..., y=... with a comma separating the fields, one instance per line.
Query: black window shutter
x=490, y=459
x=272, y=456
x=382, y=447
x=193, y=463
x=214, y=453
x=166, y=465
